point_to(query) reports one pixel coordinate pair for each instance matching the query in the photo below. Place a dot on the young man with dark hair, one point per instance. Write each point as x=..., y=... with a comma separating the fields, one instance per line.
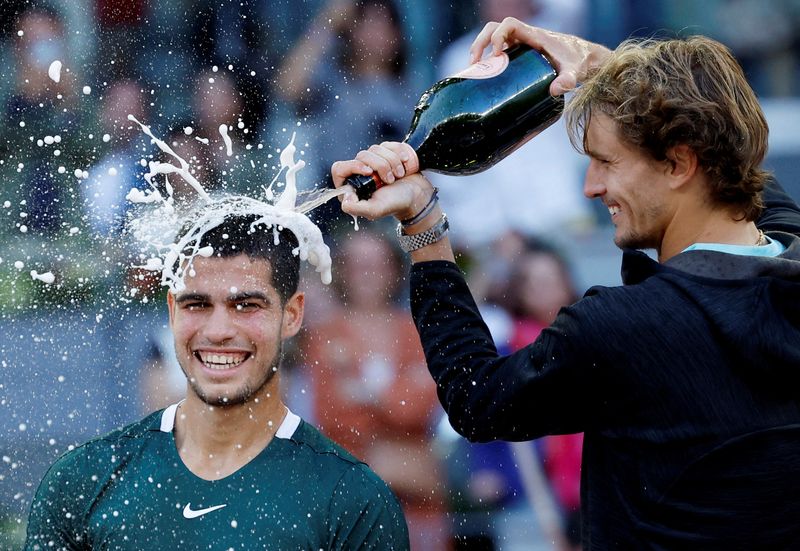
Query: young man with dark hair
x=229, y=467
x=685, y=380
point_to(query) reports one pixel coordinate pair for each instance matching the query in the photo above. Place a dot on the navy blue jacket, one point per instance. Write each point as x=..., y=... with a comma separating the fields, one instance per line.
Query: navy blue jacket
x=685, y=380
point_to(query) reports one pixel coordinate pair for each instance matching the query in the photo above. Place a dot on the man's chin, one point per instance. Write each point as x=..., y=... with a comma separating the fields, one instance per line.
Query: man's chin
x=633, y=242
x=224, y=400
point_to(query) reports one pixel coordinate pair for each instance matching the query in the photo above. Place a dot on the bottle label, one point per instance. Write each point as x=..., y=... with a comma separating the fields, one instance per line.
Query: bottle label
x=485, y=68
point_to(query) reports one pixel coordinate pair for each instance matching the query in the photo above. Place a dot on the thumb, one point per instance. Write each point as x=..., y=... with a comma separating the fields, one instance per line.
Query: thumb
x=353, y=206
x=563, y=83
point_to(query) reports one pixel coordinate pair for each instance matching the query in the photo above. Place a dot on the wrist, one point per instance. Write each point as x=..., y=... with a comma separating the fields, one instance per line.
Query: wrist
x=427, y=209
x=424, y=223
x=425, y=199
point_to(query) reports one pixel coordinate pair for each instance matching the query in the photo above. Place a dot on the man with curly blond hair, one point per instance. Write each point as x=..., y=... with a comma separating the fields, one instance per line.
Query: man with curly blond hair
x=686, y=379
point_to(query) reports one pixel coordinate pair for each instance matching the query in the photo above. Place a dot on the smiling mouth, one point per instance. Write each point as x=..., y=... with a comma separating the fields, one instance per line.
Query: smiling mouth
x=221, y=361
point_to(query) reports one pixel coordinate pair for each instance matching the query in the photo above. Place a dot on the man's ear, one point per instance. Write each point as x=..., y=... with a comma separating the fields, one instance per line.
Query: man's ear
x=293, y=314
x=683, y=165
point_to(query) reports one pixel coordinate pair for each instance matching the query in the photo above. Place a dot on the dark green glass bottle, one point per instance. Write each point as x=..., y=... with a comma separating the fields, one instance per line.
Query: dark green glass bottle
x=468, y=122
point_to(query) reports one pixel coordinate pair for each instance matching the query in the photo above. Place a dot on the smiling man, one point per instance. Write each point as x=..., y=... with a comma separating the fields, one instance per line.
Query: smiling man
x=685, y=380
x=229, y=467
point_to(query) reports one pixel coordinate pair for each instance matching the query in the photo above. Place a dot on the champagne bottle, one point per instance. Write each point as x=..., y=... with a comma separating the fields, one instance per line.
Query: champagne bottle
x=468, y=122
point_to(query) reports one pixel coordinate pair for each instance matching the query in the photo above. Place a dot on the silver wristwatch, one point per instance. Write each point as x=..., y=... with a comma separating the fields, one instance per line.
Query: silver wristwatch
x=418, y=240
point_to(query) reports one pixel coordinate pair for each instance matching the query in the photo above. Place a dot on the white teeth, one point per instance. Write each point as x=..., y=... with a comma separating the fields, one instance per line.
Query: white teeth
x=221, y=361
x=613, y=210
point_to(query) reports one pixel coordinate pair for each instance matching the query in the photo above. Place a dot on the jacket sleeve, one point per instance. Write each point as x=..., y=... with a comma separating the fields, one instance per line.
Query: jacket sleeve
x=540, y=389
x=781, y=212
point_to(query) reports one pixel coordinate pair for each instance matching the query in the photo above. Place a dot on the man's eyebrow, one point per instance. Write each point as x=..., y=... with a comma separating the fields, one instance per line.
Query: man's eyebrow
x=248, y=295
x=191, y=297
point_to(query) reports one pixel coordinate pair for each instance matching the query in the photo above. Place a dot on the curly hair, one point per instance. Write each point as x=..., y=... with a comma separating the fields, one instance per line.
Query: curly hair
x=663, y=93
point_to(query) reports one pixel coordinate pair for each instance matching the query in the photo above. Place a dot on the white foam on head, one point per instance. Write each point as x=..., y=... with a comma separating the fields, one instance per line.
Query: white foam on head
x=173, y=230
x=177, y=256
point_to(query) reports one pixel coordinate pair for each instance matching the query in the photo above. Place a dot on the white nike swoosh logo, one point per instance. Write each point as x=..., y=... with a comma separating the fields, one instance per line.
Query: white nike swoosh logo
x=188, y=512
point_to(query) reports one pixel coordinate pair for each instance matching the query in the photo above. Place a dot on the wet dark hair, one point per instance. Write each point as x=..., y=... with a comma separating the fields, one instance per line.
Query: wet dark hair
x=237, y=235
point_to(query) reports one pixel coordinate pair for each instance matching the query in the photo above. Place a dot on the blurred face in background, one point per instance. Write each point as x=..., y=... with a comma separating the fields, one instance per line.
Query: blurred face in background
x=369, y=272
x=216, y=102
x=198, y=156
x=41, y=43
x=376, y=37
x=121, y=99
x=543, y=286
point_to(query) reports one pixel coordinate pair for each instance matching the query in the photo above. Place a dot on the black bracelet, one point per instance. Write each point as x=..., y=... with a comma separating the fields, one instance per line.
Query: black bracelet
x=425, y=210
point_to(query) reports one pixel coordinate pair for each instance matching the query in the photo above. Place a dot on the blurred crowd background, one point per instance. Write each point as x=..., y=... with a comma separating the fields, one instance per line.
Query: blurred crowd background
x=92, y=351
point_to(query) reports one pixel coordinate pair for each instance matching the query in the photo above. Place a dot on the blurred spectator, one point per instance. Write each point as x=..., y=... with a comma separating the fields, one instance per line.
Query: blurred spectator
x=119, y=169
x=370, y=387
x=345, y=83
x=217, y=99
x=121, y=32
x=231, y=36
x=489, y=504
x=541, y=281
x=493, y=506
x=545, y=172
x=43, y=124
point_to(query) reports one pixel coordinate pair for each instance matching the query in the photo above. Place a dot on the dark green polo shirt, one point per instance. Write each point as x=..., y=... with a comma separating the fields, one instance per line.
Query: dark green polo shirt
x=130, y=490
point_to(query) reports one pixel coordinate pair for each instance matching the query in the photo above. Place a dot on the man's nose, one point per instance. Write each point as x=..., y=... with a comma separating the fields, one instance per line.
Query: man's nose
x=592, y=184
x=220, y=326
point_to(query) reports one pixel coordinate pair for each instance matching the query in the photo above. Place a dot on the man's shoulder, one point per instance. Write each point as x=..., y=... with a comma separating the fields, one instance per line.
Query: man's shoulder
x=332, y=461
x=104, y=450
x=359, y=498
x=313, y=442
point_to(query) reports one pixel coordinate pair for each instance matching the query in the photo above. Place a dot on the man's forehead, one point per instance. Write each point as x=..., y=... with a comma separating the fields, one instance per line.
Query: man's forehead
x=224, y=273
x=603, y=135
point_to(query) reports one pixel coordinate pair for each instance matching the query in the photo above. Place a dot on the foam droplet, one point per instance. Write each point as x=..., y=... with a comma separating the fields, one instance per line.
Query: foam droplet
x=54, y=71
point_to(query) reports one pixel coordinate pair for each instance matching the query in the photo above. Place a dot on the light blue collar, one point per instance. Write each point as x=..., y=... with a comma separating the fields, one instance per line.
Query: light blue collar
x=772, y=248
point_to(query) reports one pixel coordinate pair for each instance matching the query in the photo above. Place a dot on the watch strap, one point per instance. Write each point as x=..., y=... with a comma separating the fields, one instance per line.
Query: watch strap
x=418, y=240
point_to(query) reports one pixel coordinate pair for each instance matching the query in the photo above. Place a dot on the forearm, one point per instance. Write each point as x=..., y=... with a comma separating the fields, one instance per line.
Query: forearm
x=487, y=397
